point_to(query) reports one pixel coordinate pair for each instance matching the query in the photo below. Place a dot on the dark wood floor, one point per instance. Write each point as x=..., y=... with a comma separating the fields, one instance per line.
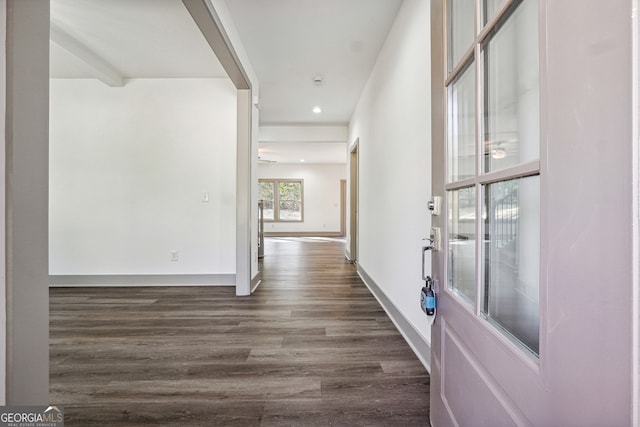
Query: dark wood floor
x=310, y=347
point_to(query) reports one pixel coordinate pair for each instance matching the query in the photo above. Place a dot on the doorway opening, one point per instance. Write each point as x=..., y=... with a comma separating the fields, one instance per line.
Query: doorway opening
x=28, y=24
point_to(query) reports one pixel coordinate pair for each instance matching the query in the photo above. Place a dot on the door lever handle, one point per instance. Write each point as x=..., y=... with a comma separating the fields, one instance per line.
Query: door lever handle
x=430, y=246
x=426, y=248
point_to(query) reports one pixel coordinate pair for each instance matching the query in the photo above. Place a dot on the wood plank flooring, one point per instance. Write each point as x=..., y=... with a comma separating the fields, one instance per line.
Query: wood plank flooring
x=311, y=347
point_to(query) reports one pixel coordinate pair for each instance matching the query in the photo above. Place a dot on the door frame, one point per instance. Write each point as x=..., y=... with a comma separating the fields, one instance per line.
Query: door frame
x=343, y=207
x=635, y=255
x=354, y=173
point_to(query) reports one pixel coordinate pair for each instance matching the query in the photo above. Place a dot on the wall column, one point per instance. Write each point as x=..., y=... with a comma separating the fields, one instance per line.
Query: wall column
x=26, y=198
x=243, y=194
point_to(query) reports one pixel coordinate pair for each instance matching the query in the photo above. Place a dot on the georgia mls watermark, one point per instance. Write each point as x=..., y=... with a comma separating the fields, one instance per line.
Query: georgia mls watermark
x=31, y=416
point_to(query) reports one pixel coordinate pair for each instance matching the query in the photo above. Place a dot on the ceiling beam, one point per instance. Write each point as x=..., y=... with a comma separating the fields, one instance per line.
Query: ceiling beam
x=213, y=31
x=104, y=71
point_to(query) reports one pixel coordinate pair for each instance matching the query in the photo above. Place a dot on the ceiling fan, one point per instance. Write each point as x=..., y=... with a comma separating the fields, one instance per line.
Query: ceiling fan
x=261, y=152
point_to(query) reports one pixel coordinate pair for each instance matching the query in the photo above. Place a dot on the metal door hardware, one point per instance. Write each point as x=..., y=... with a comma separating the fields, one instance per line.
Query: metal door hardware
x=426, y=248
x=435, y=238
x=433, y=243
x=435, y=205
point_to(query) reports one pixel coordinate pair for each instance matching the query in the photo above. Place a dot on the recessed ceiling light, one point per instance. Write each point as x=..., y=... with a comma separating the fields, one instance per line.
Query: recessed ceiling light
x=498, y=153
x=317, y=109
x=302, y=160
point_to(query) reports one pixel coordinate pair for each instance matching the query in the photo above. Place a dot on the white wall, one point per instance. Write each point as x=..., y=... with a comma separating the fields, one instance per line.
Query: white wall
x=129, y=167
x=392, y=122
x=300, y=133
x=321, y=195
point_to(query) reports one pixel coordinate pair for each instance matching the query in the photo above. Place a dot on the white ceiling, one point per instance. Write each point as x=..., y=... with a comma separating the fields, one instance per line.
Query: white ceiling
x=136, y=38
x=289, y=42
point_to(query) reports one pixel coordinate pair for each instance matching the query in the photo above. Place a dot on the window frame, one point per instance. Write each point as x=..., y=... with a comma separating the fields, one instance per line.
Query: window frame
x=276, y=198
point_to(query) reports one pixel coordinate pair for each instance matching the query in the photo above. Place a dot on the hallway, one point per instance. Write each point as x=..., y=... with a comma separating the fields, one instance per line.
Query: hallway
x=310, y=347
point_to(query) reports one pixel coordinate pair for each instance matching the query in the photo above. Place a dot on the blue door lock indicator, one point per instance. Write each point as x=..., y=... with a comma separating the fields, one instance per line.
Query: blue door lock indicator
x=428, y=298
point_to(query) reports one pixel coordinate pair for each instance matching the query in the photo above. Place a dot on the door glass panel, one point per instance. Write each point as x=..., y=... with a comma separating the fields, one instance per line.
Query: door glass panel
x=490, y=8
x=462, y=242
x=462, y=126
x=511, y=230
x=461, y=29
x=511, y=92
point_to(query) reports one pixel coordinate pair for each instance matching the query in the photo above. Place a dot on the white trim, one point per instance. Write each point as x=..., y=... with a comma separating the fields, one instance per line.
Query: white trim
x=142, y=280
x=635, y=111
x=327, y=234
x=3, y=283
x=462, y=66
x=354, y=201
x=418, y=344
x=257, y=280
x=522, y=170
x=244, y=202
x=458, y=185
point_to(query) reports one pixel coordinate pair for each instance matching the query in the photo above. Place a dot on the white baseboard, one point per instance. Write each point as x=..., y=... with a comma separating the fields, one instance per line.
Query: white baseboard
x=303, y=234
x=143, y=280
x=418, y=344
x=255, y=282
x=347, y=255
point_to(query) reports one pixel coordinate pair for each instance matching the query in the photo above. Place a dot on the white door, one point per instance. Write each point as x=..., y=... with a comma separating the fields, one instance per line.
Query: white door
x=532, y=148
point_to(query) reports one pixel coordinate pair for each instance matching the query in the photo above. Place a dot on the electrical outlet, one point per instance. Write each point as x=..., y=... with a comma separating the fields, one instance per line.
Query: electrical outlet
x=173, y=255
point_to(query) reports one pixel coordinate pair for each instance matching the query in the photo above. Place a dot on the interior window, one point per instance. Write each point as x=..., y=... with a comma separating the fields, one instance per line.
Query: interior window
x=282, y=199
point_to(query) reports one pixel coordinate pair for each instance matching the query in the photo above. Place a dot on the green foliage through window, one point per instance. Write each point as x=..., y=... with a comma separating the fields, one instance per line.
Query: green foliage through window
x=286, y=203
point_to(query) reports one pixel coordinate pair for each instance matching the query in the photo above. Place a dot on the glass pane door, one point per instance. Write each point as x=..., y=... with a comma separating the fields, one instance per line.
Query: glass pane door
x=462, y=242
x=504, y=289
x=511, y=91
x=511, y=250
x=462, y=126
x=490, y=8
x=461, y=15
